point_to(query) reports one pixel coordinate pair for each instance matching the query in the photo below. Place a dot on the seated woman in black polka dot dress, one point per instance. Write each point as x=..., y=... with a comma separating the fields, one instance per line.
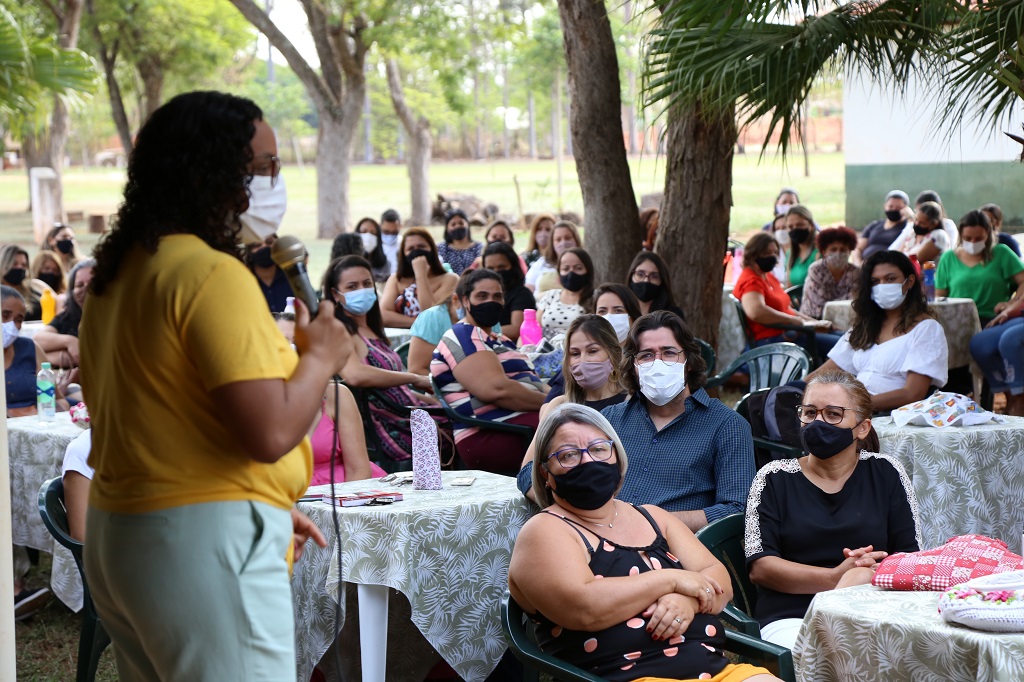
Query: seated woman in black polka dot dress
x=623, y=592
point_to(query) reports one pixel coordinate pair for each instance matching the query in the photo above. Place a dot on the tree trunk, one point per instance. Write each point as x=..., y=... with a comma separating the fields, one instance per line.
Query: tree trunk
x=34, y=148
x=533, y=126
x=152, y=75
x=694, y=222
x=333, y=147
x=421, y=144
x=613, y=233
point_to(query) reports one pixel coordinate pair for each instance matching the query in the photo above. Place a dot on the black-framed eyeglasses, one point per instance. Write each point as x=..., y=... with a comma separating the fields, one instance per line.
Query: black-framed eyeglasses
x=669, y=356
x=832, y=414
x=599, y=450
x=271, y=168
x=644, y=276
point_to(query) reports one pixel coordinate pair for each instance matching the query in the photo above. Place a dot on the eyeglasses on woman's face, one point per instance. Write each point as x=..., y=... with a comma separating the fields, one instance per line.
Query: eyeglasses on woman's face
x=832, y=414
x=267, y=164
x=599, y=451
x=643, y=275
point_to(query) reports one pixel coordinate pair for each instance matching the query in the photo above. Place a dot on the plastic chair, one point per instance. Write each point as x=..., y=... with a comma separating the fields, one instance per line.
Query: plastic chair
x=403, y=352
x=724, y=539
x=708, y=353
x=768, y=366
x=749, y=334
x=796, y=295
x=93, y=639
x=373, y=445
x=766, y=450
x=519, y=633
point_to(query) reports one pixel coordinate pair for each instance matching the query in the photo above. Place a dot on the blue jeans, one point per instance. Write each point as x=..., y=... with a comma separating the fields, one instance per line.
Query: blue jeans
x=999, y=352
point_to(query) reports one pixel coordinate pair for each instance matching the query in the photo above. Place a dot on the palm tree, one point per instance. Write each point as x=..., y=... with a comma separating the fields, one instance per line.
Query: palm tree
x=713, y=62
x=32, y=69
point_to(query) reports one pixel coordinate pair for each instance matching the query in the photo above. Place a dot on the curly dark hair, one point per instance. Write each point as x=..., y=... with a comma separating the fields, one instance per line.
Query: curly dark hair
x=869, y=317
x=837, y=235
x=696, y=368
x=187, y=174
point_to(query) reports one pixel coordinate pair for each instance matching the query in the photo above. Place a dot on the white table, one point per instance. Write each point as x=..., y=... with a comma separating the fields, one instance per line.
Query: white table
x=29, y=329
x=397, y=335
x=36, y=455
x=446, y=550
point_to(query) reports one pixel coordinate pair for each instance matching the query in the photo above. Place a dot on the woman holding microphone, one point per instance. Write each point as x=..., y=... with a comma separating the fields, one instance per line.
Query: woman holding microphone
x=199, y=406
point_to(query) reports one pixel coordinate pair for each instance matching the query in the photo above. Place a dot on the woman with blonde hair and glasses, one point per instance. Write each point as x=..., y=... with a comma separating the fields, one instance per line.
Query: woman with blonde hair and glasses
x=825, y=520
x=625, y=592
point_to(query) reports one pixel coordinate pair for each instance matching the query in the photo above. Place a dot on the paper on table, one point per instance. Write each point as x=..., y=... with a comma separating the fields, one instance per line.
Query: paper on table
x=426, y=457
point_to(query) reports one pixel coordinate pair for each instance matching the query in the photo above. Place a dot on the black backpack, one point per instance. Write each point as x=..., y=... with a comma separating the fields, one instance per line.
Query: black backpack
x=773, y=417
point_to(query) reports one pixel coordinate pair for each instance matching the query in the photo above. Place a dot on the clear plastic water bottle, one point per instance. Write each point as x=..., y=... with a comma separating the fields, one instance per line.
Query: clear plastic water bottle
x=530, y=332
x=46, y=394
x=928, y=279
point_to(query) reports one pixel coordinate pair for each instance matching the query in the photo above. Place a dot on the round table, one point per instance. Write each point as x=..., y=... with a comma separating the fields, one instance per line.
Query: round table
x=867, y=633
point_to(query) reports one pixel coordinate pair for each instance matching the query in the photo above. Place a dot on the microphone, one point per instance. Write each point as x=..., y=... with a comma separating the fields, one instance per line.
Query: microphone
x=288, y=254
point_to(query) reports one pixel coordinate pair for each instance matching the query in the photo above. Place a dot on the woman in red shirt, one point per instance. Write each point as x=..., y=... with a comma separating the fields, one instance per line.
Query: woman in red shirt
x=765, y=301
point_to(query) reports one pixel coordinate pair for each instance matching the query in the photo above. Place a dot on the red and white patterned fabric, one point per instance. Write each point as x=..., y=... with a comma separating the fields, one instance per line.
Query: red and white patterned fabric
x=959, y=560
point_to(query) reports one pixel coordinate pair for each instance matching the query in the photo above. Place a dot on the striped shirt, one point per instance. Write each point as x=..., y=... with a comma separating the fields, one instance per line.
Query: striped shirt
x=457, y=344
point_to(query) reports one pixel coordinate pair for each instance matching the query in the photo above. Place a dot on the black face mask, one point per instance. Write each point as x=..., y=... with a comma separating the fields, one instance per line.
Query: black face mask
x=894, y=216
x=799, y=235
x=508, y=280
x=15, y=276
x=414, y=254
x=573, y=281
x=260, y=258
x=458, y=234
x=767, y=263
x=825, y=440
x=588, y=485
x=65, y=246
x=645, y=291
x=52, y=279
x=921, y=230
x=486, y=315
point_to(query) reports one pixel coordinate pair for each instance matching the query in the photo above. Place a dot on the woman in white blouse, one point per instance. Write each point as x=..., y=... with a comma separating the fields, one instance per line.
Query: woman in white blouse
x=557, y=308
x=925, y=238
x=895, y=348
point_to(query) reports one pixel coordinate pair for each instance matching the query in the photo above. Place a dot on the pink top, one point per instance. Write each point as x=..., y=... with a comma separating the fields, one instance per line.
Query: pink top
x=321, y=439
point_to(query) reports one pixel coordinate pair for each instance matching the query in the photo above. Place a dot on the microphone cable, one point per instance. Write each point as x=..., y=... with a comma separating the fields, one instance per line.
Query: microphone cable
x=336, y=380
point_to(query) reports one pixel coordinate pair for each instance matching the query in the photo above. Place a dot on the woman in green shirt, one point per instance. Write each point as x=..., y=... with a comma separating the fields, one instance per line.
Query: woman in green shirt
x=802, y=236
x=980, y=268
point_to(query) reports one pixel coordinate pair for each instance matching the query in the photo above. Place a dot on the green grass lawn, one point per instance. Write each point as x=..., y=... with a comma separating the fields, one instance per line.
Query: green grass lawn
x=377, y=187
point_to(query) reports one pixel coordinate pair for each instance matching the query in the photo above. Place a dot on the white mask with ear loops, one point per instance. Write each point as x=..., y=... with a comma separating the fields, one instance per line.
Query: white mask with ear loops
x=267, y=203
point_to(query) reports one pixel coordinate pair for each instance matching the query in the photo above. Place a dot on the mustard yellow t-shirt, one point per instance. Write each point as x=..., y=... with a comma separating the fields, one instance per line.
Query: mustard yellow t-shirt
x=169, y=329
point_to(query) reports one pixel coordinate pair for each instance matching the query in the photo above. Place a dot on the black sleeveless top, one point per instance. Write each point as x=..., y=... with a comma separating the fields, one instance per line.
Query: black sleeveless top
x=626, y=651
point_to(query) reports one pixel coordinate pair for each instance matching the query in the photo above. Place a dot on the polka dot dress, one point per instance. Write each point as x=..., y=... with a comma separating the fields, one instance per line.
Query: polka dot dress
x=557, y=316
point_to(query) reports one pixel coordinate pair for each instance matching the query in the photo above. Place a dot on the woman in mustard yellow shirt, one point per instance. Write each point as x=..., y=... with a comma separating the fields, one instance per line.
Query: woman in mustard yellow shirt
x=199, y=406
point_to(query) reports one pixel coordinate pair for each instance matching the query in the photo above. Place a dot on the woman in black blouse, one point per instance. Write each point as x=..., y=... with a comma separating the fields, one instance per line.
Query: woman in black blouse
x=825, y=520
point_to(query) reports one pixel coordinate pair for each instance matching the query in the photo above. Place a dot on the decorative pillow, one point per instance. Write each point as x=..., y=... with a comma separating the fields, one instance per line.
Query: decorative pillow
x=994, y=603
x=959, y=560
x=944, y=409
x=547, y=364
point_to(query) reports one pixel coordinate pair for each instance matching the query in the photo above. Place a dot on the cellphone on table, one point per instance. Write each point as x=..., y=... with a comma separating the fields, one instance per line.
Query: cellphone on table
x=463, y=480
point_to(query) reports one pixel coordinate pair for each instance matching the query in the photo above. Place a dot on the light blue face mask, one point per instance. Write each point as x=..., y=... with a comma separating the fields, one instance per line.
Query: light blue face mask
x=460, y=313
x=360, y=301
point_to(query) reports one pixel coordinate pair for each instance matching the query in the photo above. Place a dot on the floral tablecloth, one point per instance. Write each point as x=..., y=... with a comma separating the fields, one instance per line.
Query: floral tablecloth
x=967, y=479
x=866, y=633
x=37, y=452
x=731, y=340
x=446, y=550
x=958, y=317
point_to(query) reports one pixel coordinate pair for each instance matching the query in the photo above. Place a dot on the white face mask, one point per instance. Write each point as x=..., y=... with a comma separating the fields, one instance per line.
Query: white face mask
x=781, y=209
x=888, y=296
x=620, y=323
x=10, y=333
x=660, y=383
x=782, y=237
x=266, y=209
x=973, y=248
x=369, y=241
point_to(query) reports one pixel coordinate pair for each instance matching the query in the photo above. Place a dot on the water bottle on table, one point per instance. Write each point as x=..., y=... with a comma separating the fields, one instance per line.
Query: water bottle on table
x=46, y=394
x=928, y=280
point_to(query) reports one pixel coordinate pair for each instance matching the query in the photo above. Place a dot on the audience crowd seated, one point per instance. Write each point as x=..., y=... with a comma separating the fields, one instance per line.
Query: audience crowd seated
x=894, y=347
x=482, y=375
x=23, y=359
x=368, y=230
x=803, y=238
x=420, y=282
x=372, y=363
x=48, y=268
x=786, y=197
x=649, y=279
x=59, y=338
x=926, y=239
x=543, y=273
x=502, y=259
x=931, y=196
x=61, y=241
x=833, y=277
x=458, y=249
x=980, y=268
x=825, y=520
x=639, y=622
x=879, y=235
x=14, y=263
x=540, y=235
x=557, y=308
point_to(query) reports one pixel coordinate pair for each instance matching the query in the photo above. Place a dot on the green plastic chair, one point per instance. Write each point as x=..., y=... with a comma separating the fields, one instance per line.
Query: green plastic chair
x=768, y=366
x=766, y=450
x=403, y=352
x=724, y=539
x=708, y=353
x=519, y=633
x=93, y=638
x=748, y=334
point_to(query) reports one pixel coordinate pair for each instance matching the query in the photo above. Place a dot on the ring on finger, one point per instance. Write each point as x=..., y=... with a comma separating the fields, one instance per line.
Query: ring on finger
x=708, y=590
x=679, y=620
